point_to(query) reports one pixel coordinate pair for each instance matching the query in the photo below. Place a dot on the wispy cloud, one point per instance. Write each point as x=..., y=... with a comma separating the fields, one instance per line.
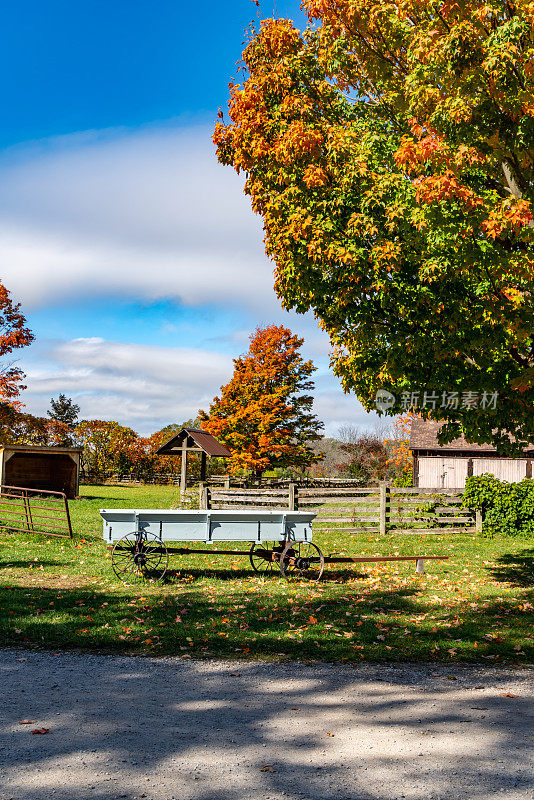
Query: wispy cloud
x=148, y=387
x=140, y=385
x=147, y=215
x=142, y=215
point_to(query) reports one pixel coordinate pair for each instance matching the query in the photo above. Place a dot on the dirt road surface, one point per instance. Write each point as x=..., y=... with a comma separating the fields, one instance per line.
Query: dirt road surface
x=160, y=729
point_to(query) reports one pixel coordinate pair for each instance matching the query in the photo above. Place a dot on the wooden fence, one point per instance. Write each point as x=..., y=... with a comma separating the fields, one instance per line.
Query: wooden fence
x=374, y=509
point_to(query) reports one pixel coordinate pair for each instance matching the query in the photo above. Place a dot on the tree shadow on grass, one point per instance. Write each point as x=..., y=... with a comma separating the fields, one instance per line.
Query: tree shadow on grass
x=515, y=568
x=30, y=562
x=353, y=623
x=177, y=574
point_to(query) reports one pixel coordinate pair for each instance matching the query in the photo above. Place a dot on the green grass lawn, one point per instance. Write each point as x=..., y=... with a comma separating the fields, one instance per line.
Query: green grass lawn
x=478, y=606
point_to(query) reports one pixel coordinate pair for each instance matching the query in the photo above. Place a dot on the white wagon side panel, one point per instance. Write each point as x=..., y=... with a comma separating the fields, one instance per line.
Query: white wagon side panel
x=209, y=526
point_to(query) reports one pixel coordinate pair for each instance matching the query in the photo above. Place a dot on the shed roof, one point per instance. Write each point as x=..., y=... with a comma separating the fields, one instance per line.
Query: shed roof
x=35, y=448
x=197, y=440
x=424, y=436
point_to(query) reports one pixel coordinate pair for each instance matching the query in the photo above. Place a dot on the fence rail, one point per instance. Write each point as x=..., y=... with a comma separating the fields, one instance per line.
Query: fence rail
x=373, y=509
x=34, y=511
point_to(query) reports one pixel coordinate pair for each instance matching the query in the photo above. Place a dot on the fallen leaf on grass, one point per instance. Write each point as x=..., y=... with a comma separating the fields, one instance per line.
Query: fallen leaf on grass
x=41, y=730
x=508, y=694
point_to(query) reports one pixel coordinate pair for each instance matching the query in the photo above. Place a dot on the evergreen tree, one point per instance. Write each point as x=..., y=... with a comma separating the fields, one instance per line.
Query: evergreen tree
x=64, y=416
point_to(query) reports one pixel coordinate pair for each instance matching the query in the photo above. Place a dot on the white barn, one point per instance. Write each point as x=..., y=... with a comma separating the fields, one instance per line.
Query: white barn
x=447, y=466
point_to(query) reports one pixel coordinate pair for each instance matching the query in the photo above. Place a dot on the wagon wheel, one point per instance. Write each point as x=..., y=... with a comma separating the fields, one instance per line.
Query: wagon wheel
x=264, y=558
x=302, y=560
x=138, y=557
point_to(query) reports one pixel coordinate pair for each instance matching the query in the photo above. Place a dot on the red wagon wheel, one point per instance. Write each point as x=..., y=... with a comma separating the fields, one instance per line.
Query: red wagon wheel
x=302, y=560
x=138, y=557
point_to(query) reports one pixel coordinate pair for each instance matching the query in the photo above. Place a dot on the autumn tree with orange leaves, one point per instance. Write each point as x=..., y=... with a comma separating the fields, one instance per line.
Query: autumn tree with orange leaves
x=263, y=415
x=400, y=458
x=14, y=334
x=389, y=149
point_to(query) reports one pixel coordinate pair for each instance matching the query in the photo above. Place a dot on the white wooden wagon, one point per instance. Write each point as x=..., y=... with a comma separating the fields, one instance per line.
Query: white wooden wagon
x=280, y=540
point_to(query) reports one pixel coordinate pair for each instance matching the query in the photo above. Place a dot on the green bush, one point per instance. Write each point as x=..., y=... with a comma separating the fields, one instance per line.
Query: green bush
x=404, y=480
x=507, y=508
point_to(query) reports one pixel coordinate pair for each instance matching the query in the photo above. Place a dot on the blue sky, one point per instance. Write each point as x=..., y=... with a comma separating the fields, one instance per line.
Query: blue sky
x=137, y=259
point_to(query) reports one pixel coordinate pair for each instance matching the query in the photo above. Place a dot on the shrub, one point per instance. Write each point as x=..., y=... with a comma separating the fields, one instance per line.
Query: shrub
x=404, y=479
x=508, y=508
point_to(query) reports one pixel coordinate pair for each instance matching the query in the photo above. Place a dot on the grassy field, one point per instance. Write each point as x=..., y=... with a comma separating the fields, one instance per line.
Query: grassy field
x=478, y=606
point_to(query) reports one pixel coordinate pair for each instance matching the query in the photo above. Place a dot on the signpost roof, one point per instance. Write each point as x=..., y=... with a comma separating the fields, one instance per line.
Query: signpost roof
x=196, y=441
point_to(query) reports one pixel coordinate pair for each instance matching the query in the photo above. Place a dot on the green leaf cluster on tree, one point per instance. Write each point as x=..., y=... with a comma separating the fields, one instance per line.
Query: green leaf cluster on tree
x=389, y=149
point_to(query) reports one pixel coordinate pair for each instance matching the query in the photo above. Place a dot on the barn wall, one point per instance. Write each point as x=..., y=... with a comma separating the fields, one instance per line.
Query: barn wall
x=53, y=471
x=450, y=472
x=442, y=472
x=513, y=469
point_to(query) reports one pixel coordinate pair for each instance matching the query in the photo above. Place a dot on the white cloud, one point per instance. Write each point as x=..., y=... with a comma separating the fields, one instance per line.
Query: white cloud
x=142, y=215
x=337, y=409
x=147, y=387
x=143, y=386
x=147, y=215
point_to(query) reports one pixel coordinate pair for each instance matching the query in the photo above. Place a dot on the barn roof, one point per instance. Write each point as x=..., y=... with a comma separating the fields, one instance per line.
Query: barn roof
x=197, y=440
x=424, y=436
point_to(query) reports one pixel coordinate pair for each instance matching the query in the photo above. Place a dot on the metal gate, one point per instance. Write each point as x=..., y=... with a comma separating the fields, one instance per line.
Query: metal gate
x=34, y=511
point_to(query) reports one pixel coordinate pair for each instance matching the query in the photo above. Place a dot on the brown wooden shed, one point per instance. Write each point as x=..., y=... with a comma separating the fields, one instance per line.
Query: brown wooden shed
x=193, y=440
x=448, y=465
x=54, y=468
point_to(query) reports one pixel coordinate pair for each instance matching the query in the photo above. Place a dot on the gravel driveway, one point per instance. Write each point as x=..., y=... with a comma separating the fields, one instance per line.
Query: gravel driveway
x=214, y=730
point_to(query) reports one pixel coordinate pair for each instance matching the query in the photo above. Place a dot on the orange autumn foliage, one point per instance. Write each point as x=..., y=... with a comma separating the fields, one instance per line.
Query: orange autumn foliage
x=388, y=148
x=399, y=445
x=14, y=334
x=263, y=415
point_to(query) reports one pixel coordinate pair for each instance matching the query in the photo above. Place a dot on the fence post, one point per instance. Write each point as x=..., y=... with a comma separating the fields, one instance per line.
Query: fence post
x=227, y=482
x=205, y=497
x=27, y=512
x=67, y=514
x=291, y=497
x=383, y=506
x=478, y=520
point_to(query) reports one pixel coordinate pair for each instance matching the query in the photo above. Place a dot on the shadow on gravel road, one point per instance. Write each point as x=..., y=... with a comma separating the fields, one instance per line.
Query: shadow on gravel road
x=170, y=728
